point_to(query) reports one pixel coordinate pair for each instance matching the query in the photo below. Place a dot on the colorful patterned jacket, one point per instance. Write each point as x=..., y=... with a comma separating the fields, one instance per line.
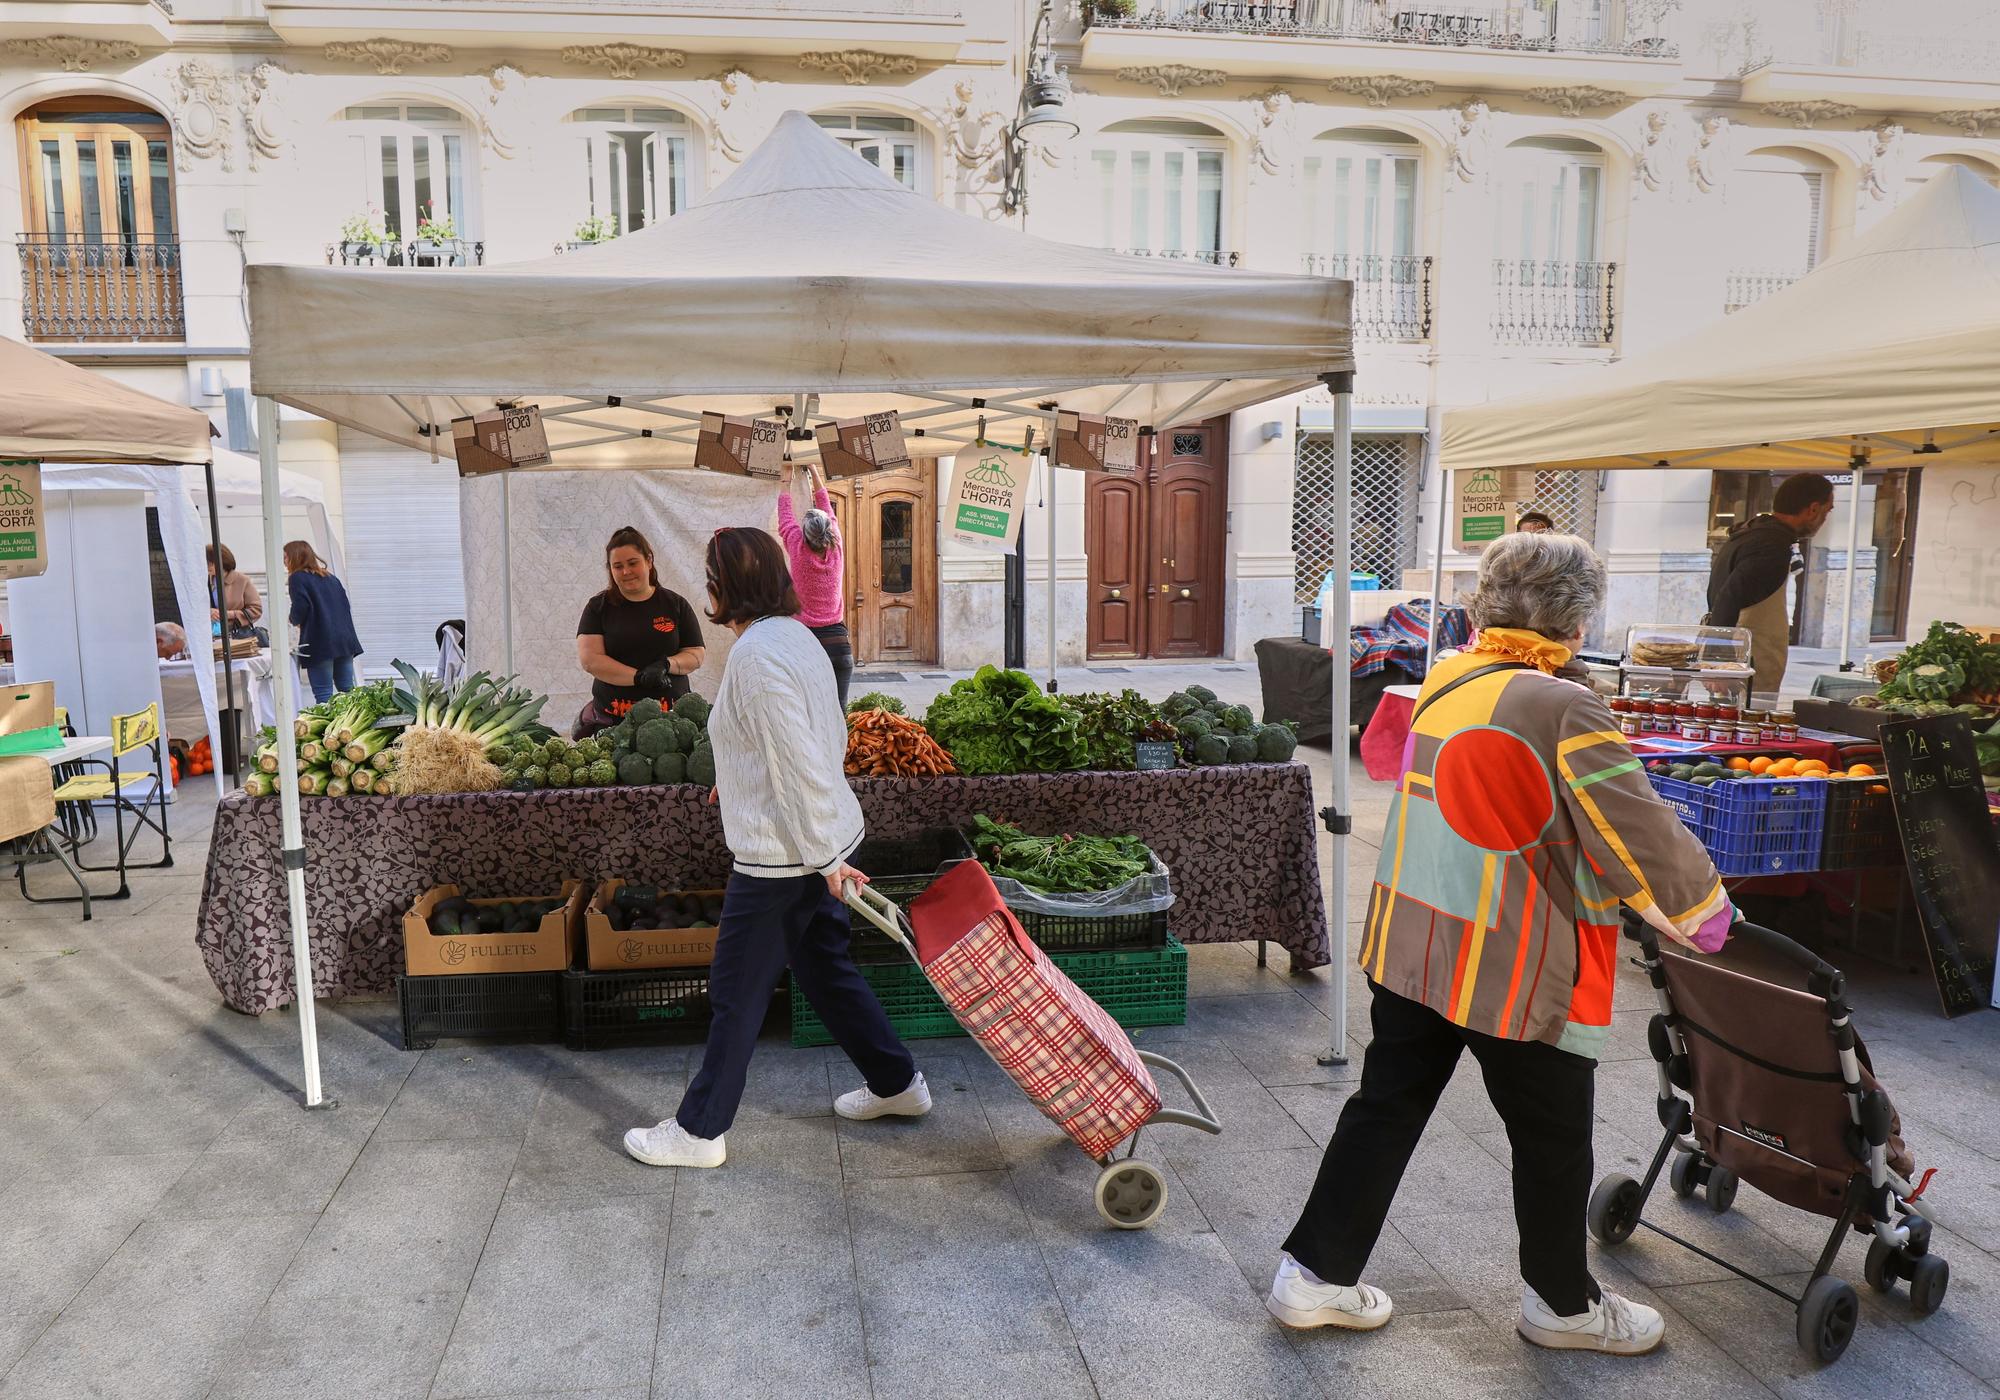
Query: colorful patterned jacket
x=1520, y=824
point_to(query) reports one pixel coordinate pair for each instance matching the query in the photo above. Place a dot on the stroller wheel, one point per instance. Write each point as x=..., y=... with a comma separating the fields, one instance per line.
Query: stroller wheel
x=1681, y=1176
x=1131, y=1194
x=1721, y=1192
x=1827, y=1315
x=1877, y=1269
x=1929, y=1277
x=1614, y=1208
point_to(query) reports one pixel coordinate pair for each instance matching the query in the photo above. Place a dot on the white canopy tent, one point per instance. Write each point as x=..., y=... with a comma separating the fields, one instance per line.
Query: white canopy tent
x=806, y=273
x=1887, y=355
x=239, y=485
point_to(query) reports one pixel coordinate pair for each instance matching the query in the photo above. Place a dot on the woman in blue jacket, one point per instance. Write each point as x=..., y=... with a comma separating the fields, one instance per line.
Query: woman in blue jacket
x=323, y=621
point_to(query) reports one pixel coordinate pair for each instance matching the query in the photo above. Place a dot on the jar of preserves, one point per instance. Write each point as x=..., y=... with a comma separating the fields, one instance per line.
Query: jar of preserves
x=1722, y=729
x=1746, y=728
x=1767, y=726
x=1627, y=715
x=1788, y=727
x=1692, y=725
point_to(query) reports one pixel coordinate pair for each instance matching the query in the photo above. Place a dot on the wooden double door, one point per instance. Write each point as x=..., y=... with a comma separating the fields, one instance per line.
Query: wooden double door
x=888, y=521
x=1155, y=545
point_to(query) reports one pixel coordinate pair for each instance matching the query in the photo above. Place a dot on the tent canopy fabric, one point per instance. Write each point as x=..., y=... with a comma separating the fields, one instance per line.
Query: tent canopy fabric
x=1892, y=348
x=52, y=411
x=807, y=270
x=239, y=484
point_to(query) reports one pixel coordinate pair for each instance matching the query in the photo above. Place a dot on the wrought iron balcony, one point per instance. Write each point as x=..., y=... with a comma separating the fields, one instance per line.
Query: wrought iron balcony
x=75, y=288
x=1392, y=292
x=1220, y=257
x=1522, y=27
x=1745, y=287
x=1554, y=303
x=451, y=252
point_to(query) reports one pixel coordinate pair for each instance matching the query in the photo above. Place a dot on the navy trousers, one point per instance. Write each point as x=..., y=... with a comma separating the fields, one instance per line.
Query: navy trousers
x=766, y=926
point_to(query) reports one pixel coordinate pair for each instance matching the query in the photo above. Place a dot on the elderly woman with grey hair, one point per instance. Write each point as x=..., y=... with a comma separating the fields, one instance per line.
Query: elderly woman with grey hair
x=1521, y=822
x=813, y=549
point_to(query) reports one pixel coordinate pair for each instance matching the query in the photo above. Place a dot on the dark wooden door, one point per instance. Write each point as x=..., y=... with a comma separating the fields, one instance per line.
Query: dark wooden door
x=892, y=551
x=1155, y=546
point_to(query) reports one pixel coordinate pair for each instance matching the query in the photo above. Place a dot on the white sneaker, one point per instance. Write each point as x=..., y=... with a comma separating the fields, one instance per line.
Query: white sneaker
x=864, y=1103
x=1611, y=1324
x=671, y=1145
x=1298, y=1299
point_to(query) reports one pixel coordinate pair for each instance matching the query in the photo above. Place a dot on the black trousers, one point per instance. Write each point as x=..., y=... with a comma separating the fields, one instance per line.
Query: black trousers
x=1544, y=1096
x=840, y=651
x=767, y=925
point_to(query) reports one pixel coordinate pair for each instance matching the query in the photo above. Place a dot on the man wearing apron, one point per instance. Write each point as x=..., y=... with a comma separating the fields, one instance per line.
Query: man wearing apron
x=1748, y=576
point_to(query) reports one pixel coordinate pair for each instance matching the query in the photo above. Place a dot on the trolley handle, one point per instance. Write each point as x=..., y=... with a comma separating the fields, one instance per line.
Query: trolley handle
x=880, y=910
x=1203, y=1117
x=1822, y=978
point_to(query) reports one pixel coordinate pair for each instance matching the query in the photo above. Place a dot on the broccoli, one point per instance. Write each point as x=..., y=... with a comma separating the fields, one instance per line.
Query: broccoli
x=1242, y=748
x=635, y=769
x=535, y=776
x=692, y=707
x=1211, y=749
x=669, y=768
x=603, y=773
x=1195, y=726
x=587, y=751
x=1276, y=744
x=690, y=733
x=558, y=775
x=657, y=738
x=643, y=711
x=701, y=766
x=1237, y=719
x=1178, y=704
x=1201, y=695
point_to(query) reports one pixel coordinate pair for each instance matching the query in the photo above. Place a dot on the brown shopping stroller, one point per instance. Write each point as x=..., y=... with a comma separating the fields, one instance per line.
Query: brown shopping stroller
x=1780, y=1094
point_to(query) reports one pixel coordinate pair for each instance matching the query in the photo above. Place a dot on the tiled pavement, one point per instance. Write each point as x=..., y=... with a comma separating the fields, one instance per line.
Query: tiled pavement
x=464, y=1225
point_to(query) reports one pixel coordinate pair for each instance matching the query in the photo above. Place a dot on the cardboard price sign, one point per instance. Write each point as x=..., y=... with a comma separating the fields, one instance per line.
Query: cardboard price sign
x=500, y=440
x=855, y=446
x=739, y=446
x=1484, y=503
x=24, y=552
x=983, y=509
x=1087, y=443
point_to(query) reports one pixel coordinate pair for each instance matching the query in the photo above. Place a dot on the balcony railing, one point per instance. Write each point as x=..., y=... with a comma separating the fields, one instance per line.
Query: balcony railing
x=75, y=288
x=1554, y=303
x=1220, y=257
x=452, y=252
x=1522, y=26
x=1392, y=292
x=1746, y=287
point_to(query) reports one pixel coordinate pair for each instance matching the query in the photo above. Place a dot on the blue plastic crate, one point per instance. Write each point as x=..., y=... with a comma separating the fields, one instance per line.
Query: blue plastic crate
x=1753, y=826
x=1689, y=801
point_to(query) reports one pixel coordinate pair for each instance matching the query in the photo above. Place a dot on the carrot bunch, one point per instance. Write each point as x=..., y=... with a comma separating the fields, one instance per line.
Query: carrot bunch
x=882, y=745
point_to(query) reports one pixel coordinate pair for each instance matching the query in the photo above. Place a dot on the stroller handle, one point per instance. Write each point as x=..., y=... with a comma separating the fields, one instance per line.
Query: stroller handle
x=1822, y=978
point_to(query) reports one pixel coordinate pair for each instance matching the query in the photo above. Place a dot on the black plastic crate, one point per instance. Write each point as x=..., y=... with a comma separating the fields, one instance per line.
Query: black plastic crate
x=480, y=1005
x=603, y=1009
x=1861, y=828
x=901, y=870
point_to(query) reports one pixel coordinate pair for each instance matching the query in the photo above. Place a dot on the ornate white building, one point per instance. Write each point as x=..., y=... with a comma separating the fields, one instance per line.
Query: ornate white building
x=1520, y=192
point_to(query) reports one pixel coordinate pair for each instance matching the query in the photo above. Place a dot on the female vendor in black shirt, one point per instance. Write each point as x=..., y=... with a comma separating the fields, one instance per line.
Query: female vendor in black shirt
x=636, y=639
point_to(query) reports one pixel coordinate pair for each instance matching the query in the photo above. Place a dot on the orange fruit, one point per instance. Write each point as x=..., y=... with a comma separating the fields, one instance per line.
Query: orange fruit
x=1760, y=765
x=1878, y=787
x=1861, y=770
x=1783, y=768
x=1740, y=764
x=1812, y=767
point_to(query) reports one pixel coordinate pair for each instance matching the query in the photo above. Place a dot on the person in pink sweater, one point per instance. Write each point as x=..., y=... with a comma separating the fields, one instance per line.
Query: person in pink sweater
x=812, y=546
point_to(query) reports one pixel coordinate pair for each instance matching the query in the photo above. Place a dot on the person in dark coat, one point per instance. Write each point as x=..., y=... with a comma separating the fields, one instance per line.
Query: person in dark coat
x=1749, y=573
x=324, y=623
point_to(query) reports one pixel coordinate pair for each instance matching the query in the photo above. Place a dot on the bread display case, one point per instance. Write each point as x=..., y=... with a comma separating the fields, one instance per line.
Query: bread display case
x=1687, y=661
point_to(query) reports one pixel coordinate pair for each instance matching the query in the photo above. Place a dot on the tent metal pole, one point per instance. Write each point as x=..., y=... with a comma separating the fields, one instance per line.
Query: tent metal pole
x=1049, y=469
x=1437, y=570
x=1338, y=817
x=1855, y=467
x=221, y=601
x=294, y=849
x=506, y=574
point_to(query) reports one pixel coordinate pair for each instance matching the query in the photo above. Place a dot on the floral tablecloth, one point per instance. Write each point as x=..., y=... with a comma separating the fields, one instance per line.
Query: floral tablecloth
x=1241, y=843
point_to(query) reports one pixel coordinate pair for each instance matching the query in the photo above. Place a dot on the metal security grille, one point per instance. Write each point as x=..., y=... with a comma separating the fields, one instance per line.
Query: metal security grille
x=1384, y=503
x=1569, y=499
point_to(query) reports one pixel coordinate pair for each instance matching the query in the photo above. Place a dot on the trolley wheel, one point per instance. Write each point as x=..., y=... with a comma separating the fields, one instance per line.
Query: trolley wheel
x=1613, y=1213
x=1929, y=1277
x=1876, y=1268
x=1721, y=1190
x=1681, y=1176
x=1131, y=1193
x=1827, y=1315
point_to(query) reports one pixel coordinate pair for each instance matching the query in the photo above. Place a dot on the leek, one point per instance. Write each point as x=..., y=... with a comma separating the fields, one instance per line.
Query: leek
x=259, y=785
x=362, y=780
x=384, y=762
x=313, y=781
x=311, y=752
x=336, y=787
x=341, y=767
x=367, y=744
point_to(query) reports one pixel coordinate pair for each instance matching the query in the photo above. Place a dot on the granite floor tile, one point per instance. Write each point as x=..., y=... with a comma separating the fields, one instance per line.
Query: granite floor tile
x=453, y=1094
x=778, y=1197
x=807, y=1339
x=954, y=1136
x=273, y=1158
x=1446, y=1355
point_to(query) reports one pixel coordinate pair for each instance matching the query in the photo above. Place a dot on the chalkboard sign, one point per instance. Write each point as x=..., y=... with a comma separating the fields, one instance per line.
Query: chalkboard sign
x=1949, y=847
x=1150, y=756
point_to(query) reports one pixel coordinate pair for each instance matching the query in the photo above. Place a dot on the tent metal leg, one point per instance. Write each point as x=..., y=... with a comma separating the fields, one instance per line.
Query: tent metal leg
x=506, y=575
x=1050, y=494
x=1437, y=569
x=1854, y=471
x=294, y=852
x=1337, y=816
x=235, y=747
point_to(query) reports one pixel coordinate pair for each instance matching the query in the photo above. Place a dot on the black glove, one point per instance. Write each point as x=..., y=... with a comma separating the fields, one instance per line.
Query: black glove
x=652, y=680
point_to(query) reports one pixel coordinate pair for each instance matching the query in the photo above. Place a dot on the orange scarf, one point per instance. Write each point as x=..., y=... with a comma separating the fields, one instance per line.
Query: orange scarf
x=1519, y=644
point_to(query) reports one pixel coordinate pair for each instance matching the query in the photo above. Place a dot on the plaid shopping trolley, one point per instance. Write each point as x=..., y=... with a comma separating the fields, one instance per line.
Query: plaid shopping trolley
x=1076, y=1064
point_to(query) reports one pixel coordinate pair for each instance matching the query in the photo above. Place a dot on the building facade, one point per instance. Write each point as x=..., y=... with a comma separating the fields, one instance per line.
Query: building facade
x=1520, y=193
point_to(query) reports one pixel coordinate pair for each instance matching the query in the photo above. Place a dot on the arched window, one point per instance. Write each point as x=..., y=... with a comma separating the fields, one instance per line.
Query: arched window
x=891, y=144
x=1552, y=285
x=1160, y=188
x=409, y=164
x=1361, y=211
x=637, y=164
x=1923, y=170
x=1777, y=225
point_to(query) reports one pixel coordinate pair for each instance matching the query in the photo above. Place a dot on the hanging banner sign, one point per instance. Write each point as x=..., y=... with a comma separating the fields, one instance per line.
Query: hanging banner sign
x=497, y=441
x=739, y=446
x=23, y=549
x=855, y=446
x=1089, y=443
x=988, y=487
x=1484, y=503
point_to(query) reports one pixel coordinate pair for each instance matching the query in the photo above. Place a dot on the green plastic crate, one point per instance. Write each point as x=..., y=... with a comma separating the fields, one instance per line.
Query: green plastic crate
x=1136, y=986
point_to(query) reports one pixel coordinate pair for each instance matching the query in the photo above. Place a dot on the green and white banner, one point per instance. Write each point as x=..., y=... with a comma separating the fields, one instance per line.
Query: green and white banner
x=23, y=552
x=988, y=487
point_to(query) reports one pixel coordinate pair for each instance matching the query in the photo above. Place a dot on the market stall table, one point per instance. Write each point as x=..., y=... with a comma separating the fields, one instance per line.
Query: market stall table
x=1241, y=841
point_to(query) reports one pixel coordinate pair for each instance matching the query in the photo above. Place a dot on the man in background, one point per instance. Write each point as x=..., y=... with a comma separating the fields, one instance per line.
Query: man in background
x=1533, y=522
x=1748, y=576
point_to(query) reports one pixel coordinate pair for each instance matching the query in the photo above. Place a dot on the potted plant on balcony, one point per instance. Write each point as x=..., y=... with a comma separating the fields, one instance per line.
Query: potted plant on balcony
x=595, y=229
x=438, y=243
x=361, y=238
x=1115, y=9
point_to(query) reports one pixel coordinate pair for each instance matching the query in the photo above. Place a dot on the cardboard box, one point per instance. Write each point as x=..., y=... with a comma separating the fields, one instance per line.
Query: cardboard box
x=607, y=949
x=739, y=446
x=500, y=440
x=855, y=446
x=548, y=949
x=1089, y=443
